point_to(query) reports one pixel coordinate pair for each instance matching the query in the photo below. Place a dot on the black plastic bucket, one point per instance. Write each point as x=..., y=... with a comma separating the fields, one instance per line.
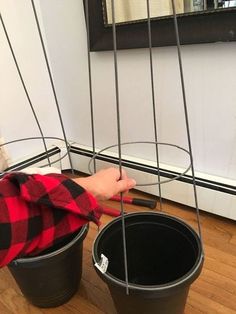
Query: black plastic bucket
x=164, y=257
x=51, y=278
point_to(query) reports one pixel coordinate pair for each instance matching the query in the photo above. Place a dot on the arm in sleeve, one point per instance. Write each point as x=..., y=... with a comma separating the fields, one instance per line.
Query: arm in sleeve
x=37, y=210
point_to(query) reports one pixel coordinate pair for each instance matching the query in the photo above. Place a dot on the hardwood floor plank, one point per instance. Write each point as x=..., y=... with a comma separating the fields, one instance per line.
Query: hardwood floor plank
x=206, y=305
x=98, y=297
x=219, y=280
x=223, y=257
x=189, y=309
x=4, y=309
x=16, y=303
x=213, y=292
x=220, y=268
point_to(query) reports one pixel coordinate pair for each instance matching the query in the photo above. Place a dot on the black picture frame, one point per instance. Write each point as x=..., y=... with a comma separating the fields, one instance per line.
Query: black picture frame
x=195, y=28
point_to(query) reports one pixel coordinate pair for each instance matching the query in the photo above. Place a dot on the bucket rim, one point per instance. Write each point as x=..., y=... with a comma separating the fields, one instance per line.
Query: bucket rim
x=138, y=287
x=81, y=234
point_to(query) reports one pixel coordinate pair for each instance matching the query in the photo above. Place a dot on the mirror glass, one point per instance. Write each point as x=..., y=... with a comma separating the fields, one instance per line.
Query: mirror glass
x=130, y=11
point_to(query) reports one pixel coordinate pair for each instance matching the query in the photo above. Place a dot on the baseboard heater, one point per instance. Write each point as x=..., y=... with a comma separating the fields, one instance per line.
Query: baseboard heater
x=215, y=195
x=38, y=160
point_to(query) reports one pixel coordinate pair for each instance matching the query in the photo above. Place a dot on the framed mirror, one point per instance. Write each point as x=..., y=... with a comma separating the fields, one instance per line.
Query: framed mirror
x=200, y=21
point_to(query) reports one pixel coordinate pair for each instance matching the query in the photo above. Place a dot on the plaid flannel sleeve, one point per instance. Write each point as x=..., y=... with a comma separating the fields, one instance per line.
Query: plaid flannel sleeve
x=38, y=210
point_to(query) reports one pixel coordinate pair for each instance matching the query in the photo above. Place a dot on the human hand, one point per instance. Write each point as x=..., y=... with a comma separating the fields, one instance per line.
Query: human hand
x=106, y=183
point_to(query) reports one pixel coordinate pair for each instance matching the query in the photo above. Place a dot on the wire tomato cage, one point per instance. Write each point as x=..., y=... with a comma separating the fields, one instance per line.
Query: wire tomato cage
x=155, y=142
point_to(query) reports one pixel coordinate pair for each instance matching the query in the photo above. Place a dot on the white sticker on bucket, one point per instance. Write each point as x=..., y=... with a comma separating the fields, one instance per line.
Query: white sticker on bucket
x=103, y=264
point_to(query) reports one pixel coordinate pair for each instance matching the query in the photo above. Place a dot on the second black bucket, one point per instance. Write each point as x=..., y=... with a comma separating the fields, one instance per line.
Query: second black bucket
x=53, y=277
x=164, y=257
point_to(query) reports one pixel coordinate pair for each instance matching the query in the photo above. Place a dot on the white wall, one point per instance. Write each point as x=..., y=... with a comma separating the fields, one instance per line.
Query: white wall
x=16, y=118
x=209, y=76
x=210, y=86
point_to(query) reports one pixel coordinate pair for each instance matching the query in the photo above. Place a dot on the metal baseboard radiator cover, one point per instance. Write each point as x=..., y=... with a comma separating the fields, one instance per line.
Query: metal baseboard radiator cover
x=216, y=195
x=38, y=160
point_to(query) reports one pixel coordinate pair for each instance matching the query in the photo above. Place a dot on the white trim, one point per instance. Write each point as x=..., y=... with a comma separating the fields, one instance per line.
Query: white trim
x=209, y=200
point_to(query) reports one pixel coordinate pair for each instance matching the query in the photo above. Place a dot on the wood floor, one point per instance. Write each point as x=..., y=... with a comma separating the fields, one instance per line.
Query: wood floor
x=213, y=292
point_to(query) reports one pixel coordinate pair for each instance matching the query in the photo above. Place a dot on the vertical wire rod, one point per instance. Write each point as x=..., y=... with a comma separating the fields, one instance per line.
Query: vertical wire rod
x=154, y=102
x=25, y=89
x=186, y=117
x=52, y=83
x=90, y=82
x=119, y=142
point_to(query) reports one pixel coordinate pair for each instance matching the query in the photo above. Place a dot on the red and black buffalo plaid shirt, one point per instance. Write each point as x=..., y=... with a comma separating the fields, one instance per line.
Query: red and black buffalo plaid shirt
x=37, y=210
